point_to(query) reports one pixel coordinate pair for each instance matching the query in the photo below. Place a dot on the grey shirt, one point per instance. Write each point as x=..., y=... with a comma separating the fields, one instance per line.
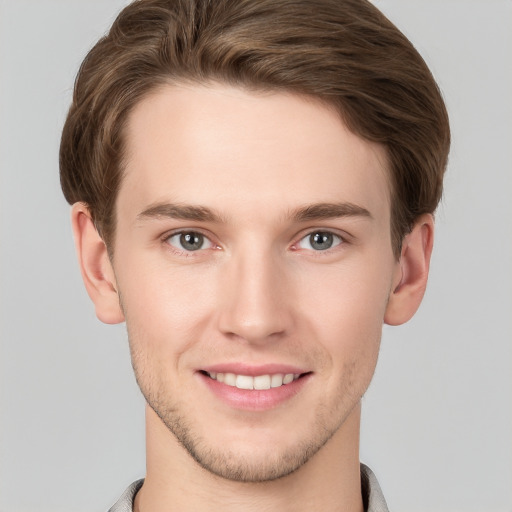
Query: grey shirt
x=373, y=498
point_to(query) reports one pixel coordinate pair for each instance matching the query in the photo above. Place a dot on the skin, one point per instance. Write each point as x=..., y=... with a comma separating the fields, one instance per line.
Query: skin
x=255, y=292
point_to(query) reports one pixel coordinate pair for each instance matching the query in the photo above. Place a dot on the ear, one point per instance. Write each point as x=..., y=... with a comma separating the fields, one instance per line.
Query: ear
x=410, y=280
x=95, y=266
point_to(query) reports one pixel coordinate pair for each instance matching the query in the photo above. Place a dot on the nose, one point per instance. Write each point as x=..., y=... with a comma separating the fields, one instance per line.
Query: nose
x=256, y=306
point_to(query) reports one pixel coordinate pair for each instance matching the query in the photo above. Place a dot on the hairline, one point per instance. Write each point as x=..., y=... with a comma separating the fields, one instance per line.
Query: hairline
x=163, y=83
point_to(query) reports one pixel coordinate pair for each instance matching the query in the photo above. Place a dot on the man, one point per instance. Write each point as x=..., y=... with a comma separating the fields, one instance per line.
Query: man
x=253, y=184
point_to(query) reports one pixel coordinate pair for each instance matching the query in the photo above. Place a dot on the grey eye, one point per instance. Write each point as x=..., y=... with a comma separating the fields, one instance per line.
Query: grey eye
x=189, y=241
x=320, y=241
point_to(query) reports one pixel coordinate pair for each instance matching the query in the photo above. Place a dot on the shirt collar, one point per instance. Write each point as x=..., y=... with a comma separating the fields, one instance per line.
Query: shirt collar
x=373, y=499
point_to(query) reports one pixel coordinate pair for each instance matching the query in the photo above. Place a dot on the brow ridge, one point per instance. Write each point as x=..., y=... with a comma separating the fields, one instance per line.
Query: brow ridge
x=317, y=211
x=321, y=211
x=179, y=211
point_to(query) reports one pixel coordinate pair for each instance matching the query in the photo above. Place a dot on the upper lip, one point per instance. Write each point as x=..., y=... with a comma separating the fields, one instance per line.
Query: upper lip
x=254, y=370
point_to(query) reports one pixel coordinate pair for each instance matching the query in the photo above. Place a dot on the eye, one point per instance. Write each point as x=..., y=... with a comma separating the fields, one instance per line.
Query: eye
x=189, y=241
x=320, y=241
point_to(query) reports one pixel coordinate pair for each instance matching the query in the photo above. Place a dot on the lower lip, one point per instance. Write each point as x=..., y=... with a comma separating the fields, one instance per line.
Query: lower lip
x=252, y=399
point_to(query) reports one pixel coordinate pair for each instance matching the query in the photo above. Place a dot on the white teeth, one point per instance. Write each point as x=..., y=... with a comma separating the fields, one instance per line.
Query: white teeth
x=262, y=382
x=230, y=379
x=288, y=378
x=259, y=382
x=244, y=382
x=276, y=380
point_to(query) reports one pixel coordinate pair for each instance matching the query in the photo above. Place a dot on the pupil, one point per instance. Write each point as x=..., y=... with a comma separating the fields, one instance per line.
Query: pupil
x=321, y=241
x=191, y=241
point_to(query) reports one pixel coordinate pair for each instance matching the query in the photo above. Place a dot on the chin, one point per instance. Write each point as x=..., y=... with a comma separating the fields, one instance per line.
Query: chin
x=251, y=454
x=250, y=465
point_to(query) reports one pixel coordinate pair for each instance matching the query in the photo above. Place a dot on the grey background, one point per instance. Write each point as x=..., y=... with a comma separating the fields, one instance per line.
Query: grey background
x=437, y=420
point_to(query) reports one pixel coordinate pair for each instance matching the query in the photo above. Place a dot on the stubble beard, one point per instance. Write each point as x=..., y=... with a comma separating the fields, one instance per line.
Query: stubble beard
x=227, y=464
x=237, y=467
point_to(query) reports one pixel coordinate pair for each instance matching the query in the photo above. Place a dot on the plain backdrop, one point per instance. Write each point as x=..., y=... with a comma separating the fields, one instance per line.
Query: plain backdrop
x=437, y=420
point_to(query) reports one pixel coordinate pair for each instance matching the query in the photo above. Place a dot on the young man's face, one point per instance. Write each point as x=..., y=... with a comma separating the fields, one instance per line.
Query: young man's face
x=252, y=244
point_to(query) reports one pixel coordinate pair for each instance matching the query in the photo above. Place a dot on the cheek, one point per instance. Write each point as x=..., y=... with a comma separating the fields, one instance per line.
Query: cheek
x=347, y=312
x=165, y=304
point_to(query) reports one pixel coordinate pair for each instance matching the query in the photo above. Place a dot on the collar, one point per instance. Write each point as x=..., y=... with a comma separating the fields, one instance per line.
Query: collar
x=373, y=499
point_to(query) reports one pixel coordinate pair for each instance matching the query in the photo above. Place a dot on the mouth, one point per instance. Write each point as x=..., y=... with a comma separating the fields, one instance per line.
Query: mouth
x=257, y=382
x=254, y=388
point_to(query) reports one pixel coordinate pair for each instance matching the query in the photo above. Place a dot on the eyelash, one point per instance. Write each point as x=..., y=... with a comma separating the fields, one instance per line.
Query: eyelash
x=338, y=240
x=182, y=251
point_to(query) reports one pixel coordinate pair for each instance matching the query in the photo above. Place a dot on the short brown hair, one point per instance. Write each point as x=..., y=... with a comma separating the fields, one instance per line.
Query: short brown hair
x=343, y=52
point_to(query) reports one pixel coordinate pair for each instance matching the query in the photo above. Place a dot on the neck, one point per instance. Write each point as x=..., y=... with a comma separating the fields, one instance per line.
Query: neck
x=329, y=481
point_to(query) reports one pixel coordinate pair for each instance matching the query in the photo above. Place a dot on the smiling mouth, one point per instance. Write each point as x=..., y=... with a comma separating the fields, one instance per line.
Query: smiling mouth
x=259, y=382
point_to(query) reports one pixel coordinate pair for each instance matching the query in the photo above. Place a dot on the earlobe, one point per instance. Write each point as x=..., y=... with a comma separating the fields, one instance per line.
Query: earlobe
x=411, y=273
x=95, y=266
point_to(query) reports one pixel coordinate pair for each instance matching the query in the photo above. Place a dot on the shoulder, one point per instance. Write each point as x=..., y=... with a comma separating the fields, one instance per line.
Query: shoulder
x=125, y=502
x=373, y=498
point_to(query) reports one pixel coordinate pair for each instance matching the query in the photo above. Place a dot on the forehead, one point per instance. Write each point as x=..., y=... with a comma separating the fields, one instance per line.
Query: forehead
x=244, y=152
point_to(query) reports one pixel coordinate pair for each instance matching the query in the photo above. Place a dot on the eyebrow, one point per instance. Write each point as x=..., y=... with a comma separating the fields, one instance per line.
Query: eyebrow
x=317, y=211
x=321, y=211
x=180, y=211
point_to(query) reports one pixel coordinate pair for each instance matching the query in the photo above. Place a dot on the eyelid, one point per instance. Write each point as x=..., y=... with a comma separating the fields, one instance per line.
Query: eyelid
x=180, y=231
x=341, y=235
